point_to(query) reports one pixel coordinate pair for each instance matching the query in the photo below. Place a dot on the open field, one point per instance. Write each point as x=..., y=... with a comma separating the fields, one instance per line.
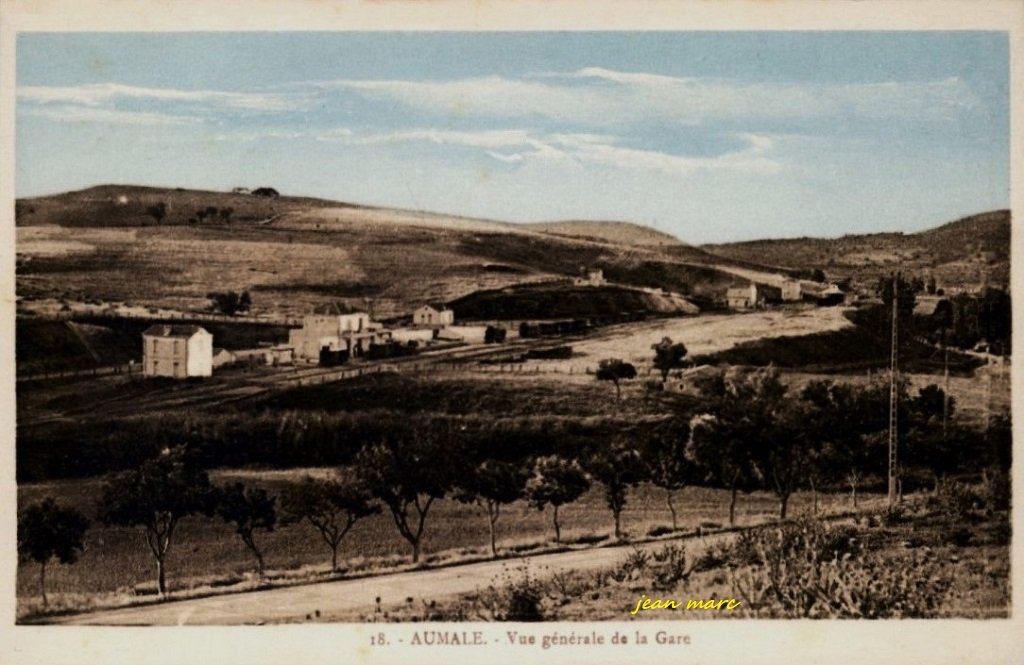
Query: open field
x=116, y=558
x=701, y=335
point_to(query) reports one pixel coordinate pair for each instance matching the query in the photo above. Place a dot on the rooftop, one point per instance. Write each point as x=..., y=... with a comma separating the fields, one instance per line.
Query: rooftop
x=173, y=330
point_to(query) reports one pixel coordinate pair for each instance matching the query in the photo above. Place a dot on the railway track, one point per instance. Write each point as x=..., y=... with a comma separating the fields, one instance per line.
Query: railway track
x=241, y=388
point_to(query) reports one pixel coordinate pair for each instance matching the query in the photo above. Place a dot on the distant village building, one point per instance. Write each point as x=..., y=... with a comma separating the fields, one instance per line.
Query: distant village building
x=280, y=354
x=433, y=315
x=790, y=290
x=336, y=328
x=178, y=351
x=823, y=294
x=222, y=357
x=743, y=297
x=591, y=277
x=241, y=190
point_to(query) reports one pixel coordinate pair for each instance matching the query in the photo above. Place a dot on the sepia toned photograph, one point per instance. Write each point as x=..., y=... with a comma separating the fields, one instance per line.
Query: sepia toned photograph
x=471, y=329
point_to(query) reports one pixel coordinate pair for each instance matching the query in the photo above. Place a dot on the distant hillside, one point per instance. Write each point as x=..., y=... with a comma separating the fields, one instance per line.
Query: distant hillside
x=169, y=248
x=553, y=302
x=967, y=253
x=622, y=233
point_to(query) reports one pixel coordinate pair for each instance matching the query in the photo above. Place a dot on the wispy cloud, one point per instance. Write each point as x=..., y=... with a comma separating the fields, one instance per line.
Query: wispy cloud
x=86, y=114
x=516, y=146
x=599, y=96
x=106, y=93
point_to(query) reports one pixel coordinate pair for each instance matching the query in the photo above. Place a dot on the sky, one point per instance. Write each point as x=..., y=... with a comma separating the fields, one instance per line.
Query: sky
x=710, y=136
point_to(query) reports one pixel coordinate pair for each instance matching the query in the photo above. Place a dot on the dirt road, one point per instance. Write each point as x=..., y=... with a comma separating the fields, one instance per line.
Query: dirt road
x=343, y=597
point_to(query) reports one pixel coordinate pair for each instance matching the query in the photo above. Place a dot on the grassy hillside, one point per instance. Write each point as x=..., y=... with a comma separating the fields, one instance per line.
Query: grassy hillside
x=968, y=252
x=170, y=248
x=557, y=301
x=621, y=233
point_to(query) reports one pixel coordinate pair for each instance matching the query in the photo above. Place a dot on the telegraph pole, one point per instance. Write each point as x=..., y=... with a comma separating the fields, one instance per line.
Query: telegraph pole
x=893, y=394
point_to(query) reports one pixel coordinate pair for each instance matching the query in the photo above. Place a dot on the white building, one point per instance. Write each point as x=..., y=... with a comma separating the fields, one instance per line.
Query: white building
x=178, y=351
x=592, y=277
x=433, y=315
x=744, y=297
x=790, y=290
x=336, y=328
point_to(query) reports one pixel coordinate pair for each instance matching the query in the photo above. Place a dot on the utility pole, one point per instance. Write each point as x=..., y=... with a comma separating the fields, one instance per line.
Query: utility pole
x=893, y=406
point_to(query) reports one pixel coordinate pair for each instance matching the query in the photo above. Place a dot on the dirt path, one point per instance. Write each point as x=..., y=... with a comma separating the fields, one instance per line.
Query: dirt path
x=345, y=597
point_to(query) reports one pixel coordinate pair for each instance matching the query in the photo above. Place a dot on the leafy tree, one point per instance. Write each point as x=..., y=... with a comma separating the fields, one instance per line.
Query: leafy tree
x=818, y=275
x=667, y=466
x=618, y=468
x=668, y=356
x=408, y=473
x=158, y=211
x=226, y=303
x=723, y=437
x=156, y=496
x=853, y=423
x=782, y=451
x=930, y=285
x=493, y=483
x=248, y=509
x=244, y=302
x=615, y=370
x=332, y=507
x=906, y=291
x=47, y=531
x=994, y=320
x=266, y=192
x=556, y=481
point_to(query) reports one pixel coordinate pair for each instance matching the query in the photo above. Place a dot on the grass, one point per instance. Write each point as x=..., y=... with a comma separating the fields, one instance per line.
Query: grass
x=116, y=558
x=551, y=302
x=927, y=564
x=853, y=348
x=470, y=395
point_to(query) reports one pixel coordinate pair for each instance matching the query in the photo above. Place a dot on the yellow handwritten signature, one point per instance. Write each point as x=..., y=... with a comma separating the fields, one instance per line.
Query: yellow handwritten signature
x=646, y=604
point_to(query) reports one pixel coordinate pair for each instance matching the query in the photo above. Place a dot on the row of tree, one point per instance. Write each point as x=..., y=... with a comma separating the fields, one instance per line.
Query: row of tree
x=750, y=433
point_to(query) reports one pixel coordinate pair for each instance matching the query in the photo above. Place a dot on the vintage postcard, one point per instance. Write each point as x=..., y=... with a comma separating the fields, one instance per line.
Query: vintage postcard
x=472, y=332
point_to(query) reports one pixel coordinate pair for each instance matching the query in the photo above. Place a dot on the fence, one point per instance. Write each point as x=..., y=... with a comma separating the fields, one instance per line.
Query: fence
x=135, y=368
x=162, y=315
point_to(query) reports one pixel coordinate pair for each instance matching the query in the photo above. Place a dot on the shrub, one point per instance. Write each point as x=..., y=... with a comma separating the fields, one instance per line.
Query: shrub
x=801, y=574
x=520, y=599
x=957, y=500
x=669, y=567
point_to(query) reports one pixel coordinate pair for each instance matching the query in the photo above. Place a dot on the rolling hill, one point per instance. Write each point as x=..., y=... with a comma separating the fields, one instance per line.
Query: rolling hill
x=171, y=247
x=964, y=254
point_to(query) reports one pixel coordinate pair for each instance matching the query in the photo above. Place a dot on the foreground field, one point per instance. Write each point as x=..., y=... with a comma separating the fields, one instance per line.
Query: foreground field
x=116, y=563
x=702, y=335
x=921, y=561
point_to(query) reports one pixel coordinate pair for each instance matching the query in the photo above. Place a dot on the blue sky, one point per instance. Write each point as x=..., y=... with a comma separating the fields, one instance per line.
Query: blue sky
x=709, y=136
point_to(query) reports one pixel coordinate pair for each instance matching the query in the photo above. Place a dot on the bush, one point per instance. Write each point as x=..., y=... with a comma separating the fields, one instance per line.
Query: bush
x=806, y=570
x=520, y=599
x=669, y=567
x=957, y=500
